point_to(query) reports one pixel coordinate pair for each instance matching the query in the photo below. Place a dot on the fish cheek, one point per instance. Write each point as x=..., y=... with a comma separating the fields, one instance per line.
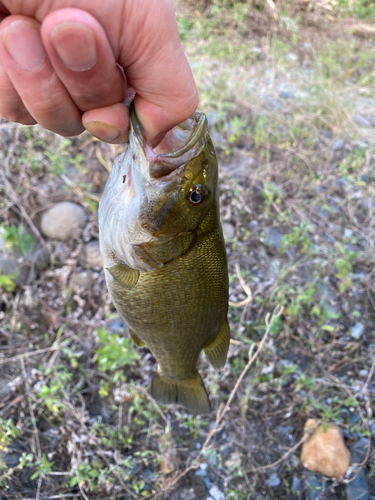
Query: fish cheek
x=156, y=210
x=164, y=252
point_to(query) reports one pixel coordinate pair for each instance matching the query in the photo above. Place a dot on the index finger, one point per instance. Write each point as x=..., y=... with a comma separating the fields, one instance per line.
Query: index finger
x=145, y=41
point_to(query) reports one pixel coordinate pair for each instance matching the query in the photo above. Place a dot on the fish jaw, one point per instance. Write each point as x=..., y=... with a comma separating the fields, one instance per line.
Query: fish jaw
x=143, y=212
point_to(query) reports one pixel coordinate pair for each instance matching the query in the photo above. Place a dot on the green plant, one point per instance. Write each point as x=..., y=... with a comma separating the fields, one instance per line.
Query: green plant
x=16, y=238
x=43, y=467
x=7, y=283
x=114, y=351
x=8, y=431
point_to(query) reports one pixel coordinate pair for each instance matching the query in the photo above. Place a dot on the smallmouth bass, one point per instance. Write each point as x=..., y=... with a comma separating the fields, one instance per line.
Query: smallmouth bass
x=164, y=257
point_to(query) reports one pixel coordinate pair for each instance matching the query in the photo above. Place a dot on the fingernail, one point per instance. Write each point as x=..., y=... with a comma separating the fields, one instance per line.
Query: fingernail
x=24, y=45
x=105, y=132
x=75, y=45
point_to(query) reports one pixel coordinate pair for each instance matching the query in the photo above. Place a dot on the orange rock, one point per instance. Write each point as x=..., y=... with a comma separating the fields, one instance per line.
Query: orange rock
x=325, y=452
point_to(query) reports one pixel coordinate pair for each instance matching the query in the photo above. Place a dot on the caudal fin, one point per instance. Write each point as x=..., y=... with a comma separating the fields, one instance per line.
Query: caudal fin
x=189, y=393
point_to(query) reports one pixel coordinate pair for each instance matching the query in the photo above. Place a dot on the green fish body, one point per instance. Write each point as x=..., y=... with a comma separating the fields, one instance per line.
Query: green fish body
x=164, y=256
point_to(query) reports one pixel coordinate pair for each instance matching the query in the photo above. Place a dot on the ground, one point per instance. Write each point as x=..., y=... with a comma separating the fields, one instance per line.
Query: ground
x=288, y=88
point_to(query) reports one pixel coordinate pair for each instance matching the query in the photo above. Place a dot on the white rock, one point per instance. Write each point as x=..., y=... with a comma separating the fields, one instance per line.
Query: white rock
x=90, y=256
x=357, y=331
x=229, y=230
x=216, y=493
x=63, y=220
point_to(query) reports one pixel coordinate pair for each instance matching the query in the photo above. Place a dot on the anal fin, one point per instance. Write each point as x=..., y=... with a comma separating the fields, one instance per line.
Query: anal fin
x=124, y=275
x=189, y=393
x=217, y=350
x=137, y=341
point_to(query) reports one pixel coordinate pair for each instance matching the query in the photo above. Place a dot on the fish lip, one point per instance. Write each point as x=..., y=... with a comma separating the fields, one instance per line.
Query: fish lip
x=163, y=164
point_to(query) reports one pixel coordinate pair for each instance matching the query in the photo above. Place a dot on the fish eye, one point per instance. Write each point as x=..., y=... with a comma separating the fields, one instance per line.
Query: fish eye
x=196, y=196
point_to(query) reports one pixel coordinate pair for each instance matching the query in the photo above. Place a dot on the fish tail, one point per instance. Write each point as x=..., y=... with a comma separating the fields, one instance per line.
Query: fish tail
x=189, y=393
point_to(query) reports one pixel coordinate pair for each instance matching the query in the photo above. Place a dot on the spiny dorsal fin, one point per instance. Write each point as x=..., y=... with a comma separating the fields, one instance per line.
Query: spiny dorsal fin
x=217, y=350
x=124, y=275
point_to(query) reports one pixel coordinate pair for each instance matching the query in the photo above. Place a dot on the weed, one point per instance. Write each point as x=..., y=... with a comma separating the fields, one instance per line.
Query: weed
x=8, y=431
x=7, y=283
x=114, y=352
x=43, y=467
x=16, y=238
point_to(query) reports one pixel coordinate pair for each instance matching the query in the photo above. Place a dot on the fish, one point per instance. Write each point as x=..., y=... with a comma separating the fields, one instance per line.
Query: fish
x=164, y=257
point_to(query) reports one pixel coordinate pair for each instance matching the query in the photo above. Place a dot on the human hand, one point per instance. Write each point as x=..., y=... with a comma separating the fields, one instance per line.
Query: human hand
x=58, y=66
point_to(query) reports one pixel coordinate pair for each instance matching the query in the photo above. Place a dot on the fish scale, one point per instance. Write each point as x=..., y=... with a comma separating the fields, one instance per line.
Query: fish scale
x=164, y=258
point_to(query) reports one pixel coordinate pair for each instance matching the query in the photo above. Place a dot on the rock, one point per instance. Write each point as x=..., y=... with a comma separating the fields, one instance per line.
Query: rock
x=285, y=432
x=272, y=237
x=358, y=488
x=358, y=450
x=314, y=486
x=225, y=451
x=60, y=252
x=296, y=485
x=354, y=419
x=90, y=256
x=338, y=145
x=325, y=452
x=273, y=480
x=63, y=220
x=372, y=429
x=117, y=325
x=229, y=230
x=82, y=279
x=187, y=494
x=50, y=192
x=5, y=388
x=361, y=121
x=17, y=271
x=216, y=493
x=357, y=331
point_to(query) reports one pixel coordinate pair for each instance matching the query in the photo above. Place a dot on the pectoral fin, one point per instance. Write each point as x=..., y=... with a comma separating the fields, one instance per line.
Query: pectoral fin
x=124, y=275
x=217, y=350
x=137, y=341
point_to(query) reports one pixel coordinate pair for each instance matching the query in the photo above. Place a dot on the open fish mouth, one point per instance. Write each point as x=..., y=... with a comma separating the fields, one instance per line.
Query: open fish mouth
x=179, y=145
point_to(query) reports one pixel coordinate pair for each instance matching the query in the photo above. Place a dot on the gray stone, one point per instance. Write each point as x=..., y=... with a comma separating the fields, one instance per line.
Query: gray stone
x=229, y=230
x=272, y=237
x=63, y=220
x=273, y=480
x=358, y=450
x=90, y=256
x=187, y=494
x=338, y=145
x=354, y=419
x=201, y=473
x=358, y=488
x=296, y=485
x=348, y=233
x=357, y=331
x=314, y=486
x=361, y=121
x=18, y=272
x=216, y=493
x=5, y=388
x=225, y=451
x=372, y=429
